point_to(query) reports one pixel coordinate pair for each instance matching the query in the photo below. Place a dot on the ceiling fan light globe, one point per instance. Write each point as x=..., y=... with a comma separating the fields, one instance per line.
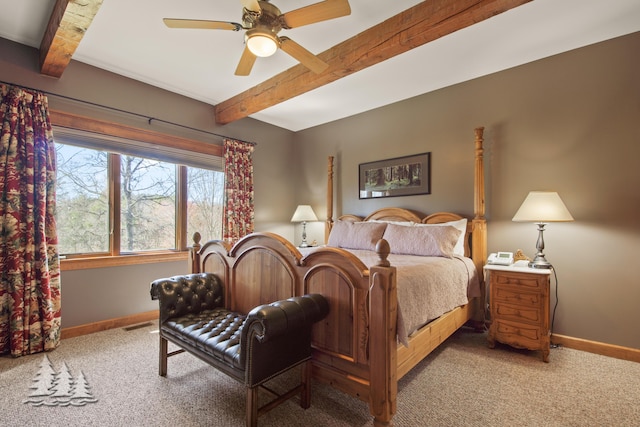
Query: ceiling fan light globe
x=261, y=44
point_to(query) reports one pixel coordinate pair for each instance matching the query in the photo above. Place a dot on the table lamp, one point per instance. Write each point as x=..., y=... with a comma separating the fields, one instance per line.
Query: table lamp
x=303, y=214
x=542, y=207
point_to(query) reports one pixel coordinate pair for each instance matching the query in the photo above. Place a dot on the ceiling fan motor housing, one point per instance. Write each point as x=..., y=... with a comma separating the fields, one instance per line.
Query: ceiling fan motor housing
x=264, y=25
x=269, y=16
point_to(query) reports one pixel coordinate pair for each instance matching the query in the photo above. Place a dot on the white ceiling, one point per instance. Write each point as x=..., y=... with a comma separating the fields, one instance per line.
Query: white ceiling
x=128, y=38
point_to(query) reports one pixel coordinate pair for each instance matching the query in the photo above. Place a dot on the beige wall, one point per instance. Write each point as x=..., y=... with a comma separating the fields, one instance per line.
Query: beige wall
x=569, y=123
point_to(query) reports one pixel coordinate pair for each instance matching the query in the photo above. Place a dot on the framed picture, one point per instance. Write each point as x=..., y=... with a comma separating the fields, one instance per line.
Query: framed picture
x=402, y=176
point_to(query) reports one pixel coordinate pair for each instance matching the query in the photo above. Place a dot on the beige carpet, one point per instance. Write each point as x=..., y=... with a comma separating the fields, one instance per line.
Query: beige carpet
x=463, y=383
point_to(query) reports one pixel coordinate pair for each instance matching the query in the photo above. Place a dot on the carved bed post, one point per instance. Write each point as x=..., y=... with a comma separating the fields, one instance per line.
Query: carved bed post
x=383, y=352
x=479, y=223
x=329, y=222
x=194, y=253
x=478, y=196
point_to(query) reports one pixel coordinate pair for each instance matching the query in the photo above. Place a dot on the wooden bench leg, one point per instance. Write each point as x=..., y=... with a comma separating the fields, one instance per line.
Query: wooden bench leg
x=252, y=406
x=162, y=369
x=305, y=397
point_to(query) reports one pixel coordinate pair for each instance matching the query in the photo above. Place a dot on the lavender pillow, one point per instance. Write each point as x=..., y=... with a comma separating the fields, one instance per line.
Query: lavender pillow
x=356, y=235
x=423, y=241
x=461, y=225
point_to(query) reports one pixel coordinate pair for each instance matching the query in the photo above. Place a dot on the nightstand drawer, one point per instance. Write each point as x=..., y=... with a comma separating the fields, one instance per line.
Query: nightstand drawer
x=515, y=296
x=518, y=334
x=525, y=281
x=519, y=313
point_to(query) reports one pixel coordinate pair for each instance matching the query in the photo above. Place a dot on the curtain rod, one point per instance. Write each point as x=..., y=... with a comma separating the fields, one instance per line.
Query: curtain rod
x=149, y=119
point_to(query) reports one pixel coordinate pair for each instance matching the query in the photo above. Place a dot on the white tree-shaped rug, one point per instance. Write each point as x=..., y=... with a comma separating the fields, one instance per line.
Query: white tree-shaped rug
x=53, y=388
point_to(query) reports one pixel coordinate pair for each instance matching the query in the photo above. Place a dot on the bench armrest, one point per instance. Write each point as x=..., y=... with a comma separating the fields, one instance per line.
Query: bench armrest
x=272, y=320
x=187, y=294
x=277, y=336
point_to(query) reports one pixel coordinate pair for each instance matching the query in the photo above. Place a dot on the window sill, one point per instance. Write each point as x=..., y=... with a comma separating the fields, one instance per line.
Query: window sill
x=120, y=260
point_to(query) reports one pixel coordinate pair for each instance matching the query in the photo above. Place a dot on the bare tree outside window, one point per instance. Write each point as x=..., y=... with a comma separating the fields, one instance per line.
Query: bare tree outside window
x=82, y=193
x=148, y=204
x=205, y=189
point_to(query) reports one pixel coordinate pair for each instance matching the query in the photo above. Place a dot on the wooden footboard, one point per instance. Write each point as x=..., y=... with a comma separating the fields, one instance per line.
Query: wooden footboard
x=355, y=345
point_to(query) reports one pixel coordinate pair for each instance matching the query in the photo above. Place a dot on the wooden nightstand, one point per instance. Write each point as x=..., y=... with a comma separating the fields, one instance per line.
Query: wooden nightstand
x=519, y=307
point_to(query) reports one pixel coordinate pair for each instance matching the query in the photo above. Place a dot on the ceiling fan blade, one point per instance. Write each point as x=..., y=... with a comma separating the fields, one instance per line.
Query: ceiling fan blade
x=252, y=5
x=202, y=24
x=305, y=57
x=246, y=63
x=328, y=9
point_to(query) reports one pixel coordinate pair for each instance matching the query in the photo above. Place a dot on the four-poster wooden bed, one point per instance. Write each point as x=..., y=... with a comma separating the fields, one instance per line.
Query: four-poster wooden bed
x=356, y=348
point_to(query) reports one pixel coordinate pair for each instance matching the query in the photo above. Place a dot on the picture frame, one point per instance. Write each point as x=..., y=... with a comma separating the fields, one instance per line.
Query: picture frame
x=400, y=176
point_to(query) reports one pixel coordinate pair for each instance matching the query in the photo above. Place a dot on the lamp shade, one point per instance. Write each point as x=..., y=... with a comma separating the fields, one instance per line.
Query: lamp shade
x=542, y=206
x=304, y=213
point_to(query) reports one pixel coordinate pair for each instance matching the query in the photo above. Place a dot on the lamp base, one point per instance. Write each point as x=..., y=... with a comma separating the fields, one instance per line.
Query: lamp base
x=304, y=243
x=540, y=262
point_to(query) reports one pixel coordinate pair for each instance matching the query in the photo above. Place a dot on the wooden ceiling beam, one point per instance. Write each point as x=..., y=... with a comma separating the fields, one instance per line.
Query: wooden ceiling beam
x=427, y=21
x=68, y=23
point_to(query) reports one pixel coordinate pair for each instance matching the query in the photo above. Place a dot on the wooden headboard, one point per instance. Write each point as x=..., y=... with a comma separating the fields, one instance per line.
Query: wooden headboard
x=405, y=215
x=476, y=238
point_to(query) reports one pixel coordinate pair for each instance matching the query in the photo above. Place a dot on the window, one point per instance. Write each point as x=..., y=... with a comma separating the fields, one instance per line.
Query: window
x=146, y=204
x=82, y=192
x=205, y=198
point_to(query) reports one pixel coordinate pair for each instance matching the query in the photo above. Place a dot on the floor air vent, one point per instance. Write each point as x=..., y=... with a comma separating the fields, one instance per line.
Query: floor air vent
x=134, y=327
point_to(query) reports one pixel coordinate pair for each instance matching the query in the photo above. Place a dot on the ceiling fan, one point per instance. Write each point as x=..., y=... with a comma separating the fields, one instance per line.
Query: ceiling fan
x=263, y=21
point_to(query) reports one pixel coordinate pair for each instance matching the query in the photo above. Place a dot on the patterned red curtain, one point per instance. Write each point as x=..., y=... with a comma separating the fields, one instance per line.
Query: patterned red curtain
x=30, y=281
x=238, y=191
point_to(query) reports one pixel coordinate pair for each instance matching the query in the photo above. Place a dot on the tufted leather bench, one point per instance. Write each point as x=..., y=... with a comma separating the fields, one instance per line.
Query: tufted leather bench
x=251, y=348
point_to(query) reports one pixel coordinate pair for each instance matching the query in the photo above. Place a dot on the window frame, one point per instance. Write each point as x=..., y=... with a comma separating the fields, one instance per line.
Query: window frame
x=108, y=128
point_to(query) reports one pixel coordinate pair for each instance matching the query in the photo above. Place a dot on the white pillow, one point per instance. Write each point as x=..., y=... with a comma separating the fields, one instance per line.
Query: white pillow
x=356, y=235
x=423, y=241
x=461, y=225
